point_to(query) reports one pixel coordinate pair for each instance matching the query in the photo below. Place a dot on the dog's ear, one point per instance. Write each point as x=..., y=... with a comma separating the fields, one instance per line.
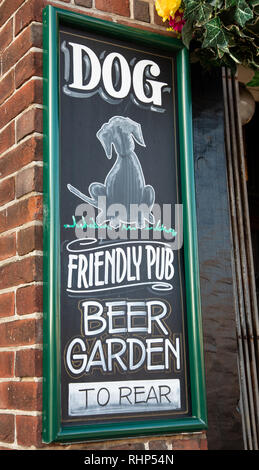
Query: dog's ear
x=136, y=131
x=106, y=138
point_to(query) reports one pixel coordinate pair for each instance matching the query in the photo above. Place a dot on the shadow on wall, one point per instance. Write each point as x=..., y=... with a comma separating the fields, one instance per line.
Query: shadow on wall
x=214, y=239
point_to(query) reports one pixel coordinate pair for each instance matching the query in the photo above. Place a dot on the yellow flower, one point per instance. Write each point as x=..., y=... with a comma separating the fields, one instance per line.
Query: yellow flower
x=167, y=8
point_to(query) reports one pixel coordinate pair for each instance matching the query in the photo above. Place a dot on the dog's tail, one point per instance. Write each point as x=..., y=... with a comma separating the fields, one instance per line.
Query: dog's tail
x=82, y=196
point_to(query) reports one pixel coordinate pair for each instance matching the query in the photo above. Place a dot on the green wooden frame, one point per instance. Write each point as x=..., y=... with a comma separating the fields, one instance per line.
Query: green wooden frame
x=52, y=429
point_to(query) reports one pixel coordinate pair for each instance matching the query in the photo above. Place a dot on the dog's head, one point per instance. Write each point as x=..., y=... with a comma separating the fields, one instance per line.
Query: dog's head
x=119, y=133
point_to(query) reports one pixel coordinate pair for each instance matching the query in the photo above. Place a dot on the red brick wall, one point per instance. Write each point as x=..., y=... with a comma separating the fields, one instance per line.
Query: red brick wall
x=21, y=218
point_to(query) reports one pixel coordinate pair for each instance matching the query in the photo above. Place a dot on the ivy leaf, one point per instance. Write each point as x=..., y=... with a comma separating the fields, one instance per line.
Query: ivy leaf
x=255, y=79
x=222, y=32
x=245, y=55
x=253, y=3
x=220, y=53
x=215, y=35
x=198, y=11
x=187, y=33
x=234, y=57
x=230, y=3
x=253, y=27
x=243, y=12
x=217, y=3
x=236, y=33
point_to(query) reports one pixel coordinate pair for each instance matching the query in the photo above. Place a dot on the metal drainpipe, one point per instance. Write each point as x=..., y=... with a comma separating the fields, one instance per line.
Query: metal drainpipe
x=243, y=268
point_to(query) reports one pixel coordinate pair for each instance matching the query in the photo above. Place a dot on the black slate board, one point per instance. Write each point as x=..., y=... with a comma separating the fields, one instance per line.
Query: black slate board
x=83, y=162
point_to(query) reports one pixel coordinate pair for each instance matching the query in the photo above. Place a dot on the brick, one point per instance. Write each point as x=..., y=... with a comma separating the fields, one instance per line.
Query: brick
x=29, y=37
x=3, y=395
x=28, y=363
x=84, y=3
x=6, y=86
x=20, y=396
x=30, y=121
x=7, y=191
x=146, y=27
x=6, y=35
x=27, y=151
x=28, y=180
x=7, y=137
x=158, y=445
x=7, y=246
x=128, y=446
x=117, y=7
x=7, y=8
x=21, y=272
x=186, y=444
x=28, y=431
x=20, y=332
x=6, y=428
x=72, y=8
x=159, y=20
x=29, y=239
x=30, y=65
x=29, y=299
x=87, y=446
x=141, y=11
x=6, y=364
x=203, y=444
x=28, y=94
x=30, y=11
x=7, y=304
x=20, y=213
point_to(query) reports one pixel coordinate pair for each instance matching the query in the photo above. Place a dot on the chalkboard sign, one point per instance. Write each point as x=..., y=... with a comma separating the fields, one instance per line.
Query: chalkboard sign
x=123, y=352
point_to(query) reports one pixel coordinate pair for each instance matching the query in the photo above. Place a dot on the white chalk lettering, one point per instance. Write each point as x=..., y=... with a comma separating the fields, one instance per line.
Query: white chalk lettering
x=123, y=396
x=78, y=50
x=121, y=266
x=138, y=81
x=124, y=72
x=70, y=358
x=90, y=317
x=88, y=73
x=152, y=311
x=116, y=351
x=158, y=353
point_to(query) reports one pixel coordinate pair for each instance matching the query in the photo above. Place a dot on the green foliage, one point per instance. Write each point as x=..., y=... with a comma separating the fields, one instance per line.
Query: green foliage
x=242, y=13
x=255, y=79
x=223, y=33
x=198, y=11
